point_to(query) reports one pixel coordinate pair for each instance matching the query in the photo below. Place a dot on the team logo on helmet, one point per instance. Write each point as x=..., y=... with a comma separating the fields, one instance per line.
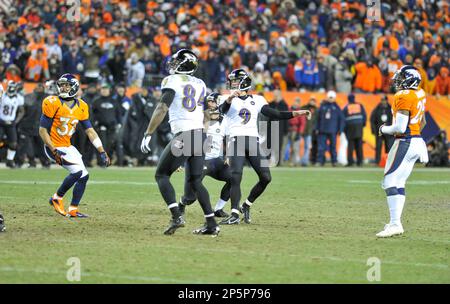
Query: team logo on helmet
x=407, y=77
x=63, y=90
x=239, y=79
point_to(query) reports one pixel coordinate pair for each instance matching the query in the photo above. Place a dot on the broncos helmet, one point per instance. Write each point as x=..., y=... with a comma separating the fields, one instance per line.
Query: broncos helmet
x=12, y=88
x=239, y=80
x=183, y=62
x=407, y=77
x=72, y=81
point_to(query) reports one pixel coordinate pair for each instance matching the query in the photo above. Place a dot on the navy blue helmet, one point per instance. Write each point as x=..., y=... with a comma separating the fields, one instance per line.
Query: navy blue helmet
x=70, y=79
x=407, y=77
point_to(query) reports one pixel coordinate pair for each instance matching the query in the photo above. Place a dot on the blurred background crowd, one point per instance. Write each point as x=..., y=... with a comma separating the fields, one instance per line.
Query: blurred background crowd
x=314, y=46
x=306, y=45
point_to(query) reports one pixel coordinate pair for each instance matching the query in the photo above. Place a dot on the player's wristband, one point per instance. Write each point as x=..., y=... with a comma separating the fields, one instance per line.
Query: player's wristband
x=97, y=143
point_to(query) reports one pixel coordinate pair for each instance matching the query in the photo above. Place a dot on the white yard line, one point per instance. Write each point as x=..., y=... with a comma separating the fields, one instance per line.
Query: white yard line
x=93, y=182
x=99, y=274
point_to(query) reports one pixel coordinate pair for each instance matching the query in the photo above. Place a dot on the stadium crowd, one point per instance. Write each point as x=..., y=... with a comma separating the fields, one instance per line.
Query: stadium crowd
x=306, y=45
x=286, y=45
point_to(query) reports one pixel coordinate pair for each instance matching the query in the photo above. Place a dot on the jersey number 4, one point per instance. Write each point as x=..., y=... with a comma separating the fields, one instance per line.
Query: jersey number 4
x=189, y=102
x=67, y=127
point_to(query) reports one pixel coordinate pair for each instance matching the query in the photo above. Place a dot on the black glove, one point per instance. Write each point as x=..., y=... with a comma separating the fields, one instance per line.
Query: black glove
x=105, y=161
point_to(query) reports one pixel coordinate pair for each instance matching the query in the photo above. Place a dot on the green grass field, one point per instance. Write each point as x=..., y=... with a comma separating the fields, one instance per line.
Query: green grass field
x=313, y=225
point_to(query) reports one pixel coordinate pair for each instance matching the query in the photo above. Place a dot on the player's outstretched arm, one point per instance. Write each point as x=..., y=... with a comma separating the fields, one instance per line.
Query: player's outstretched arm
x=95, y=140
x=157, y=118
x=399, y=126
x=282, y=115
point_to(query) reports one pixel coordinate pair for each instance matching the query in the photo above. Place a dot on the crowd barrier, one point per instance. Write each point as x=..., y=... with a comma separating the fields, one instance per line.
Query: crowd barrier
x=438, y=108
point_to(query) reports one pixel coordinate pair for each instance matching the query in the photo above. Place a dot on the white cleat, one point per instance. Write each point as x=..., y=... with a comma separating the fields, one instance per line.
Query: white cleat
x=390, y=230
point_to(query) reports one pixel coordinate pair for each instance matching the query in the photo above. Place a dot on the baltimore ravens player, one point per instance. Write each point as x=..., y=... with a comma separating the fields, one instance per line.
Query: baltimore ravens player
x=11, y=112
x=242, y=111
x=183, y=97
x=215, y=165
x=60, y=117
x=408, y=111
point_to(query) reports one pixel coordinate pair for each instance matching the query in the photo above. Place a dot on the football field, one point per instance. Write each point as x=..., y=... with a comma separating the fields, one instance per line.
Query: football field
x=314, y=225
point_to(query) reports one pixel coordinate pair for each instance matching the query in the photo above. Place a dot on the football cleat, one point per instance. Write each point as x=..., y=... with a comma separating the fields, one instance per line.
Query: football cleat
x=205, y=229
x=2, y=224
x=77, y=214
x=390, y=230
x=174, y=225
x=220, y=213
x=58, y=205
x=233, y=219
x=245, y=209
x=10, y=164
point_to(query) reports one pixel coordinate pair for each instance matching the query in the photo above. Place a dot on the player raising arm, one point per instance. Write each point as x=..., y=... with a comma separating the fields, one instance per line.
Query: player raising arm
x=183, y=97
x=60, y=116
x=242, y=110
x=408, y=111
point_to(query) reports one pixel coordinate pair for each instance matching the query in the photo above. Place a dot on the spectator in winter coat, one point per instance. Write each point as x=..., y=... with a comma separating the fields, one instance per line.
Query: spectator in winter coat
x=135, y=71
x=355, y=120
x=330, y=123
x=382, y=114
x=307, y=72
x=308, y=132
x=368, y=77
x=343, y=77
x=296, y=128
x=443, y=82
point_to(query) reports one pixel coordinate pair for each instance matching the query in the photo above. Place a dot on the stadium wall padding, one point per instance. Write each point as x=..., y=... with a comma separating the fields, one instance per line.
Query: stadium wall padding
x=438, y=108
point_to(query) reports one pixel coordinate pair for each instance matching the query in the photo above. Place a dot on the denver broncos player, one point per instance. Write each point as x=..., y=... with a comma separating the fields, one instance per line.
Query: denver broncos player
x=408, y=111
x=60, y=117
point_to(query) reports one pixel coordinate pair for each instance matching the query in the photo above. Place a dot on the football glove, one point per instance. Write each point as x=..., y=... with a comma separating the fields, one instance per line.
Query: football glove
x=105, y=161
x=145, y=144
x=379, y=130
x=58, y=156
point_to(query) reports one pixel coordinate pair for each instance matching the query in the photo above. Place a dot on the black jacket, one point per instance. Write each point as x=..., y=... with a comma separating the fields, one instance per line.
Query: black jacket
x=380, y=115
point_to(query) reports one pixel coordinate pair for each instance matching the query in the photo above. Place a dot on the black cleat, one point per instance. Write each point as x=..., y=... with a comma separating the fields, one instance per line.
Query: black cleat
x=233, y=219
x=220, y=213
x=207, y=230
x=174, y=225
x=246, y=212
x=2, y=224
x=10, y=164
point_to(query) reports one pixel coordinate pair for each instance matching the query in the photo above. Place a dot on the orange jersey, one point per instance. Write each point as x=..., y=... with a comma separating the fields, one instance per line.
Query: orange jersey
x=65, y=119
x=414, y=102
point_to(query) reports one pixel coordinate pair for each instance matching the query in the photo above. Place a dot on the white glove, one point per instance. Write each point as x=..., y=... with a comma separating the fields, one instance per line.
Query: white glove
x=145, y=144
